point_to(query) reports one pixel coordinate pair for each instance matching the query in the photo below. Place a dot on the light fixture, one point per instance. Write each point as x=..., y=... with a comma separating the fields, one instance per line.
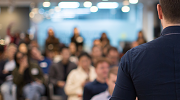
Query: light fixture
x=46, y=4
x=125, y=9
x=133, y=1
x=107, y=5
x=125, y=3
x=57, y=9
x=87, y=4
x=105, y=0
x=94, y=9
x=69, y=4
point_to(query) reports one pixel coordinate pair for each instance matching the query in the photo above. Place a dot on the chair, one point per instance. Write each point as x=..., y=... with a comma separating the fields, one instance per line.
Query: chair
x=51, y=93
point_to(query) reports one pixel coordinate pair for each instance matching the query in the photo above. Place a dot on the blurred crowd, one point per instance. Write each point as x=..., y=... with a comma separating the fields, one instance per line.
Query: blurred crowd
x=26, y=73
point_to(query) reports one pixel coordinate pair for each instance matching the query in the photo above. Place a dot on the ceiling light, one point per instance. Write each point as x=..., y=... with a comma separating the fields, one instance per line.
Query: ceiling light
x=133, y=1
x=94, y=9
x=69, y=4
x=105, y=0
x=107, y=5
x=87, y=4
x=125, y=9
x=46, y=4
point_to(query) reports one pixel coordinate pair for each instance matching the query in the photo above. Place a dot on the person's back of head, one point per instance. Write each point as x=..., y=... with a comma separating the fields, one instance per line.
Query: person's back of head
x=169, y=12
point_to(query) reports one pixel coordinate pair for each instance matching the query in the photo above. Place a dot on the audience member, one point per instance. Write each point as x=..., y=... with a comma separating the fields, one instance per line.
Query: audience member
x=99, y=84
x=96, y=53
x=59, y=71
x=97, y=42
x=105, y=50
x=112, y=77
x=28, y=77
x=79, y=77
x=104, y=40
x=73, y=49
x=113, y=56
x=52, y=43
x=1, y=52
x=78, y=40
x=23, y=48
x=141, y=39
x=6, y=68
x=37, y=57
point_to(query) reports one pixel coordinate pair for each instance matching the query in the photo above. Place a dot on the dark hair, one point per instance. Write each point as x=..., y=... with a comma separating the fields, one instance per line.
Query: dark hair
x=64, y=47
x=1, y=48
x=112, y=48
x=101, y=60
x=15, y=58
x=171, y=10
x=84, y=54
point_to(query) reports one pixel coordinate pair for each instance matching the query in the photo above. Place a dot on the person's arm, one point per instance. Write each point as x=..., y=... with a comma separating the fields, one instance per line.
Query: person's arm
x=124, y=89
x=52, y=75
x=87, y=93
x=71, y=87
x=2, y=74
x=17, y=77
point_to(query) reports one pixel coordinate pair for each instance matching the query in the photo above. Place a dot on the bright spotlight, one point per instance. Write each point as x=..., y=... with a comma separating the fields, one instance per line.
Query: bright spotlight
x=69, y=4
x=133, y=1
x=46, y=4
x=87, y=4
x=94, y=9
x=107, y=5
x=125, y=9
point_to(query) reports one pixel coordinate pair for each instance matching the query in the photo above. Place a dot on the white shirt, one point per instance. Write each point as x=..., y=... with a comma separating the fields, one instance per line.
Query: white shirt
x=9, y=66
x=102, y=96
x=76, y=77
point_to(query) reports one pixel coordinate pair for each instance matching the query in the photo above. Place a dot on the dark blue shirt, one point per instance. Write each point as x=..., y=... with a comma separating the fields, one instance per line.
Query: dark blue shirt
x=45, y=64
x=151, y=71
x=93, y=88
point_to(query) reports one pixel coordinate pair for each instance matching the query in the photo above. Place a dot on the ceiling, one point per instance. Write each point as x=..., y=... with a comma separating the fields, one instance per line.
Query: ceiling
x=28, y=2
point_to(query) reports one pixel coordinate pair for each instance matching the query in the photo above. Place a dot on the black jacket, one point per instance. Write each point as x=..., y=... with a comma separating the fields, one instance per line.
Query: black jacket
x=57, y=73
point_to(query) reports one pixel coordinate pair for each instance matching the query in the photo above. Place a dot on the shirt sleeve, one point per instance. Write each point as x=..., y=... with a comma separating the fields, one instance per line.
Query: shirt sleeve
x=87, y=93
x=71, y=87
x=52, y=74
x=124, y=89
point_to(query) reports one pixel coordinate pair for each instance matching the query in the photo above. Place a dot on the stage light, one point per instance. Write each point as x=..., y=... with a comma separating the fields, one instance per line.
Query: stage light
x=133, y=1
x=69, y=4
x=46, y=4
x=87, y=4
x=94, y=9
x=107, y=5
x=125, y=9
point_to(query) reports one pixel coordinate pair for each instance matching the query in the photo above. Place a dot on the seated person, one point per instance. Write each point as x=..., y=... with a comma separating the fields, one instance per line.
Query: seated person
x=106, y=95
x=37, y=57
x=99, y=85
x=6, y=68
x=78, y=78
x=59, y=71
x=96, y=54
x=28, y=77
x=113, y=56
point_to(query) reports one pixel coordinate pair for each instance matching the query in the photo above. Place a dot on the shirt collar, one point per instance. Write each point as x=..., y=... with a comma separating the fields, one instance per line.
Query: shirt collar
x=170, y=29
